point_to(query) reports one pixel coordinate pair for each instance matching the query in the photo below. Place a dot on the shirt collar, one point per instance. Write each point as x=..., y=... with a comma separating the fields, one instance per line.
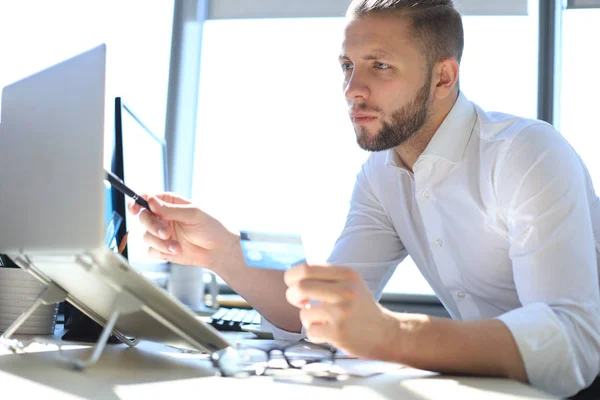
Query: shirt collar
x=450, y=140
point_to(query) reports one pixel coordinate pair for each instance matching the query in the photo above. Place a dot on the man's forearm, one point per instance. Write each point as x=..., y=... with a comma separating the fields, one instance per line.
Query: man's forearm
x=263, y=289
x=443, y=345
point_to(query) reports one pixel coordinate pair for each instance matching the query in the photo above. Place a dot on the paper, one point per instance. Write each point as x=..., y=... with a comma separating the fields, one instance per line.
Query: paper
x=356, y=367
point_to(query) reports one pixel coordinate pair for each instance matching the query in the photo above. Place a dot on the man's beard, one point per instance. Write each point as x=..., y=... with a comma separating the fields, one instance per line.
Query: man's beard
x=406, y=122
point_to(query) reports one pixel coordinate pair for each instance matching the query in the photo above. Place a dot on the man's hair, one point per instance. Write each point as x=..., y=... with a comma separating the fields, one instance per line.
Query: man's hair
x=436, y=24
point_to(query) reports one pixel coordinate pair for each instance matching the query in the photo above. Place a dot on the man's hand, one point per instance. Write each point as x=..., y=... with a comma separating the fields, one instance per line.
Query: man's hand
x=178, y=231
x=348, y=317
x=342, y=311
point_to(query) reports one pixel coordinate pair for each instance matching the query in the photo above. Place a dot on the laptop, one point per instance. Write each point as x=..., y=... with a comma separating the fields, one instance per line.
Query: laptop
x=52, y=205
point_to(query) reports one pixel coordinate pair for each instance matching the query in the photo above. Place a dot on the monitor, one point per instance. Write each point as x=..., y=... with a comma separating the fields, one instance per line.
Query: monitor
x=115, y=201
x=139, y=159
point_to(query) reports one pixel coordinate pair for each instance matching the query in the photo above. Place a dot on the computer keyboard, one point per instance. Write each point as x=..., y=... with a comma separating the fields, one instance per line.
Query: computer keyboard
x=232, y=319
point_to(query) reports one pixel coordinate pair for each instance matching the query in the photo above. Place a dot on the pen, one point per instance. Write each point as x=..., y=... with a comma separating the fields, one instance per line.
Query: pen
x=118, y=184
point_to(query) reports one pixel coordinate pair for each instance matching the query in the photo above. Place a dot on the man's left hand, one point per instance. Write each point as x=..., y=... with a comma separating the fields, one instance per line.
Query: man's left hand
x=341, y=311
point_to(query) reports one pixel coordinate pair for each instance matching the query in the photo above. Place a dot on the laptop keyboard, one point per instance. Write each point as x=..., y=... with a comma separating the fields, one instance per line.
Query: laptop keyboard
x=232, y=319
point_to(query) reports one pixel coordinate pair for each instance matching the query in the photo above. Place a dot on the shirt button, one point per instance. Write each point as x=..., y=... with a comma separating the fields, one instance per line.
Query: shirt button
x=439, y=242
x=425, y=194
x=460, y=295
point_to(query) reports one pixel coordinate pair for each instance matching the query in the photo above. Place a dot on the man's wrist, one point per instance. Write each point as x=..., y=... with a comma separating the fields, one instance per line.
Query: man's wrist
x=231, y=259
x=389, y=348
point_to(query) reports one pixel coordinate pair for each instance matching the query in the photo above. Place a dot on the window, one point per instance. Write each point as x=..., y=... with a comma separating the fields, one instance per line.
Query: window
x=499, y=69
x=578, y=103
x=37, y=34
x=275, y=149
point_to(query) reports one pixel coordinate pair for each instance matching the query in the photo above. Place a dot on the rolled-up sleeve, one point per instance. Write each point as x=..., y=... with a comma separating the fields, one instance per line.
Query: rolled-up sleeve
x=543, y=190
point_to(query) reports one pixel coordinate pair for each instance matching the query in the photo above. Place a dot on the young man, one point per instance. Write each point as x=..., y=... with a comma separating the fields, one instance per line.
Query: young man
x=497, y=211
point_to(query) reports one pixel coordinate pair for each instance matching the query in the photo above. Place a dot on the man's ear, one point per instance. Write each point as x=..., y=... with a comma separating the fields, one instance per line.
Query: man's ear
x=445, y=75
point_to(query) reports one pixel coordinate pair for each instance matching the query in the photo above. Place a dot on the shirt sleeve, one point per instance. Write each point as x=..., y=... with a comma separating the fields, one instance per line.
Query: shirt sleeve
x=280, y=334
x=543, y=190
x=368, y=243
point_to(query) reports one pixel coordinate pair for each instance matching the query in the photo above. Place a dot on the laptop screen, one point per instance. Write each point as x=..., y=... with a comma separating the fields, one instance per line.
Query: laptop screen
x=51, y=174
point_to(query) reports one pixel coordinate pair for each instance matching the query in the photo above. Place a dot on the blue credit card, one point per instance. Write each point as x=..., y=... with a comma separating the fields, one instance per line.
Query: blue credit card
x=271, y=250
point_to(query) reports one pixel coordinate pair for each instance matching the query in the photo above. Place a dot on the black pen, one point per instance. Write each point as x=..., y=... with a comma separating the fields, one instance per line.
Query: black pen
x=118, y=184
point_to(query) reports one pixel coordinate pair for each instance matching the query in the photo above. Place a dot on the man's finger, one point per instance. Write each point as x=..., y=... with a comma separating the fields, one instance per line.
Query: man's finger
x=318, y=272
x=164, y=246
x=185, y=213
x=321, y=291
x=317, y=314
x=154, y=225
x=172, y=198
x=153, y=253
x=320, y=333
x=133, y=207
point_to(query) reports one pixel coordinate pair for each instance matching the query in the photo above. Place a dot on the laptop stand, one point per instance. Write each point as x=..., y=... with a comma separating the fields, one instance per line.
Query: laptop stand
x=124, y=304
x=116, y=297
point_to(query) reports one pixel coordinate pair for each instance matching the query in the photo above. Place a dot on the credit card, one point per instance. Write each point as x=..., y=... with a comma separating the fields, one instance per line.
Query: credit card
x=271, y=250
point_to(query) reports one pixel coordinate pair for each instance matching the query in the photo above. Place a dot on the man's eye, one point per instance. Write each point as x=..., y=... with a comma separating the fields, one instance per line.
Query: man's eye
x=379, y=65
x=347, y=67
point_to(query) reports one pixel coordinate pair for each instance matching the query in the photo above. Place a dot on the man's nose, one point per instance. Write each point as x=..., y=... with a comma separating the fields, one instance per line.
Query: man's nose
x=355, y=87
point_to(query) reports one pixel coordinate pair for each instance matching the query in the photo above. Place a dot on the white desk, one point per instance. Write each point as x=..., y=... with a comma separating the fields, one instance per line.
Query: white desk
x=155, y=371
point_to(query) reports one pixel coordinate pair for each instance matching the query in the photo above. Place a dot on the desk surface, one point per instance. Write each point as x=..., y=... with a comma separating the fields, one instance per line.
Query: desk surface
x=152, y=370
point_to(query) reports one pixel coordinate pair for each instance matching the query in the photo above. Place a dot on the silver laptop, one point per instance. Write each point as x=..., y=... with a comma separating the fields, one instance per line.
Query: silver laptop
x=52, y=204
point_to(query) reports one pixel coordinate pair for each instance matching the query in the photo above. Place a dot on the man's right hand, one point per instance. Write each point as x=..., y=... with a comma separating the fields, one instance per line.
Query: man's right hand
x=179, y=232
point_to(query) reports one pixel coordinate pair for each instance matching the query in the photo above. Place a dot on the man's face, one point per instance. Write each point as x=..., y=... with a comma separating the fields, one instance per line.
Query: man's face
x=386, y=84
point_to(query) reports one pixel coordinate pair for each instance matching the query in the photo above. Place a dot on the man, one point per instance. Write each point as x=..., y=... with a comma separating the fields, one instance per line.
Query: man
x=498, y=212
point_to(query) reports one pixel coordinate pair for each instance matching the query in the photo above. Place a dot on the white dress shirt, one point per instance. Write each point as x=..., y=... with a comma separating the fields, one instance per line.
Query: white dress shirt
x=501, y=218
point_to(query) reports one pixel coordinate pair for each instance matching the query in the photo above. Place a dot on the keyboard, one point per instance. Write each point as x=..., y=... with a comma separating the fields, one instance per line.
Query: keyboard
x=232, y=319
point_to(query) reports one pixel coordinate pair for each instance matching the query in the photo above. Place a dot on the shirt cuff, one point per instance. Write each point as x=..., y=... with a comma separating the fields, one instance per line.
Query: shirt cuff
x=544, y=348
x=280, y=334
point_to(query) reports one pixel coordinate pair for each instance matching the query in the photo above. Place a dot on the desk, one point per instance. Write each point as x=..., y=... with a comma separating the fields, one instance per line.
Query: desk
x=152, y=370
